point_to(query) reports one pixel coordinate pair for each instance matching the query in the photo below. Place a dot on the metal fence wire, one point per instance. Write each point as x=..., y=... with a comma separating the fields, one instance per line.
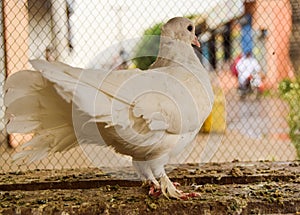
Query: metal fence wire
x=245, y=124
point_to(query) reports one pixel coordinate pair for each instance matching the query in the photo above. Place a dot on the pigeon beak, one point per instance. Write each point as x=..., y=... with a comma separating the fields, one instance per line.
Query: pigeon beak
x=196, y=42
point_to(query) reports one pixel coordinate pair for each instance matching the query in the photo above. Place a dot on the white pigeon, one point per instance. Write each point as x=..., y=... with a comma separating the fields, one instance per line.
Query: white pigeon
x=149, y=115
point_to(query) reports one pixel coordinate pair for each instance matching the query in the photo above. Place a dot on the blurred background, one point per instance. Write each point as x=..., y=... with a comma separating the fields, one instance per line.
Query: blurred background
x=262, y=124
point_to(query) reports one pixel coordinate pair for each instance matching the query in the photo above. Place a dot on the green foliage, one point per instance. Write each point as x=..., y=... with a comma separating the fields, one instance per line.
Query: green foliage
x=147, y=49
x=290, y=92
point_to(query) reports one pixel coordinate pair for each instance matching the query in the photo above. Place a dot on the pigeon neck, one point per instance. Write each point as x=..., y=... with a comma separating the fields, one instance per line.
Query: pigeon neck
x=174, y=52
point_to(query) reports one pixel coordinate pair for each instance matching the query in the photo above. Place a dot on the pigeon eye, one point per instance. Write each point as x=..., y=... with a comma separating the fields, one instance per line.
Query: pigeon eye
x=190, y=28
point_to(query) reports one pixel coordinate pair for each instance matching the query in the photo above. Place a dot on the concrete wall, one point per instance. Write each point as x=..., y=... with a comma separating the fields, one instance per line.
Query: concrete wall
x=2, y=78
x=40, y=35
x=16, y=35
x=276, y=18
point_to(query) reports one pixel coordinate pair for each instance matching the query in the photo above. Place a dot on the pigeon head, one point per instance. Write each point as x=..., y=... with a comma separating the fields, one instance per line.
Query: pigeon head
x=180, y=28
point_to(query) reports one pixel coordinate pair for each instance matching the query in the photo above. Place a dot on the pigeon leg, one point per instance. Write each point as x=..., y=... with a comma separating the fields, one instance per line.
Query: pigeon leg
x=169, y=189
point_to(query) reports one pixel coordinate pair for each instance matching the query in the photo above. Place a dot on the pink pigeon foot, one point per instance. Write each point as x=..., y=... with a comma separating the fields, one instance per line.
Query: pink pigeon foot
x=153, y=191
x=176, y=184
x=186, y=196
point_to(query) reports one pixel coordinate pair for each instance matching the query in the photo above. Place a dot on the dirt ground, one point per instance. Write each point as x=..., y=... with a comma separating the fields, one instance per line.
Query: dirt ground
x=224, y=188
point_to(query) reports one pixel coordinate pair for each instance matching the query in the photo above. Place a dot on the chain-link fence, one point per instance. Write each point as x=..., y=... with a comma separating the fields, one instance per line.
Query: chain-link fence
x=246, y=124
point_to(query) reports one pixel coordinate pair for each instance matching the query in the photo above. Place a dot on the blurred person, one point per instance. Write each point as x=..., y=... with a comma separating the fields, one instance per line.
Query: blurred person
x=249, y=74
x=233, y=69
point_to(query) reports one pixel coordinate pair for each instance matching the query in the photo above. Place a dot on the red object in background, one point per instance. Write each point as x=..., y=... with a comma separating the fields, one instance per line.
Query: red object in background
x=261, y=88
x=233, y=66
